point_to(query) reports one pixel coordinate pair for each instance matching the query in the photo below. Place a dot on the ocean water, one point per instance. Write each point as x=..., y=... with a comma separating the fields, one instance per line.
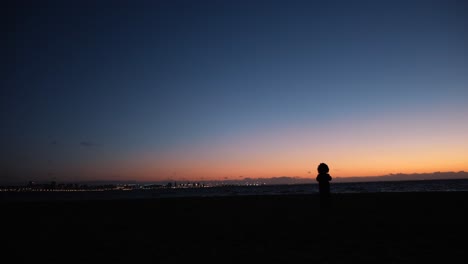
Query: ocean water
x=354, y=187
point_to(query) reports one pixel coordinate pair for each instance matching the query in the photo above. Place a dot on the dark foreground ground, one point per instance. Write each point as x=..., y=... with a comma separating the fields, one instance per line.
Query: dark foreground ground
x=357, y=228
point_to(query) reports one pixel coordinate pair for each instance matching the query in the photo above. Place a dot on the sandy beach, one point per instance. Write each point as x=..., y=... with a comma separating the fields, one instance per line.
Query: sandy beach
x=371, y=228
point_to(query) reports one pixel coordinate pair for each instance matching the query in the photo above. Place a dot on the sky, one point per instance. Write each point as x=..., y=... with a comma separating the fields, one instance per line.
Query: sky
x=203, y=90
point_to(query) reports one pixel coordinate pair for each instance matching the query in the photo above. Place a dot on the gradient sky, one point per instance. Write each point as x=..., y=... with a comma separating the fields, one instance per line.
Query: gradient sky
x=193, y=90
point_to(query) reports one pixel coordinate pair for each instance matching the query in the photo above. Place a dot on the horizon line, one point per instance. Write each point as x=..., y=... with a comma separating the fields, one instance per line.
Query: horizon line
x=441, y=175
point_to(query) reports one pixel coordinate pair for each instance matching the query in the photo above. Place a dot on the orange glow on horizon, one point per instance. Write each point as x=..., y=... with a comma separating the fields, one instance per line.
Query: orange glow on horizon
x=416, y=144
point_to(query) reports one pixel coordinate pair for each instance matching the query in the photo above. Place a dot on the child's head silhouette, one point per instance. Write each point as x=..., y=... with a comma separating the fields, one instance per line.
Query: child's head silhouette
x=322, y=168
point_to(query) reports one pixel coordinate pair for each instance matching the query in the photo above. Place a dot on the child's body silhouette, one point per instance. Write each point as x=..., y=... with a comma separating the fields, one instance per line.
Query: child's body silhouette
x=324, y=179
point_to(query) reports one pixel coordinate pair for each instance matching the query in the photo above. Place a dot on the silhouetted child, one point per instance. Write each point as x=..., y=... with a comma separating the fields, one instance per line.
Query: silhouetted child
x=324, y=179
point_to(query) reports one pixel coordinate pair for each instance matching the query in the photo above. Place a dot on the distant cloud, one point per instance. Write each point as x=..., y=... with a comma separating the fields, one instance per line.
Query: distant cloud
x=88, y=144
x=53, y=142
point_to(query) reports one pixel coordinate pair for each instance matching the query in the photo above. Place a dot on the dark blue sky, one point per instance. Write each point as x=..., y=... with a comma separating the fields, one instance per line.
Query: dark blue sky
x=108, y=82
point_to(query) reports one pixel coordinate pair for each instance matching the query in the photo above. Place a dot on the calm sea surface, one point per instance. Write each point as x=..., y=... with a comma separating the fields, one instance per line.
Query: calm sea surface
x=361, y=187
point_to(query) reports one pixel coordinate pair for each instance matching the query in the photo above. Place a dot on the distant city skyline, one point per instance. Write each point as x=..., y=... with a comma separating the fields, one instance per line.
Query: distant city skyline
x=257, y=181
x=213, y=90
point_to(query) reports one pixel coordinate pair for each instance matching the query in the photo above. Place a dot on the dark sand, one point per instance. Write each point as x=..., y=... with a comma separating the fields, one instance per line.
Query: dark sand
x=371, y=228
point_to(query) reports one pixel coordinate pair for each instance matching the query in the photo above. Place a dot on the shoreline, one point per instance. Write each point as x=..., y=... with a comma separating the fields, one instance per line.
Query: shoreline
x=226, y=191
